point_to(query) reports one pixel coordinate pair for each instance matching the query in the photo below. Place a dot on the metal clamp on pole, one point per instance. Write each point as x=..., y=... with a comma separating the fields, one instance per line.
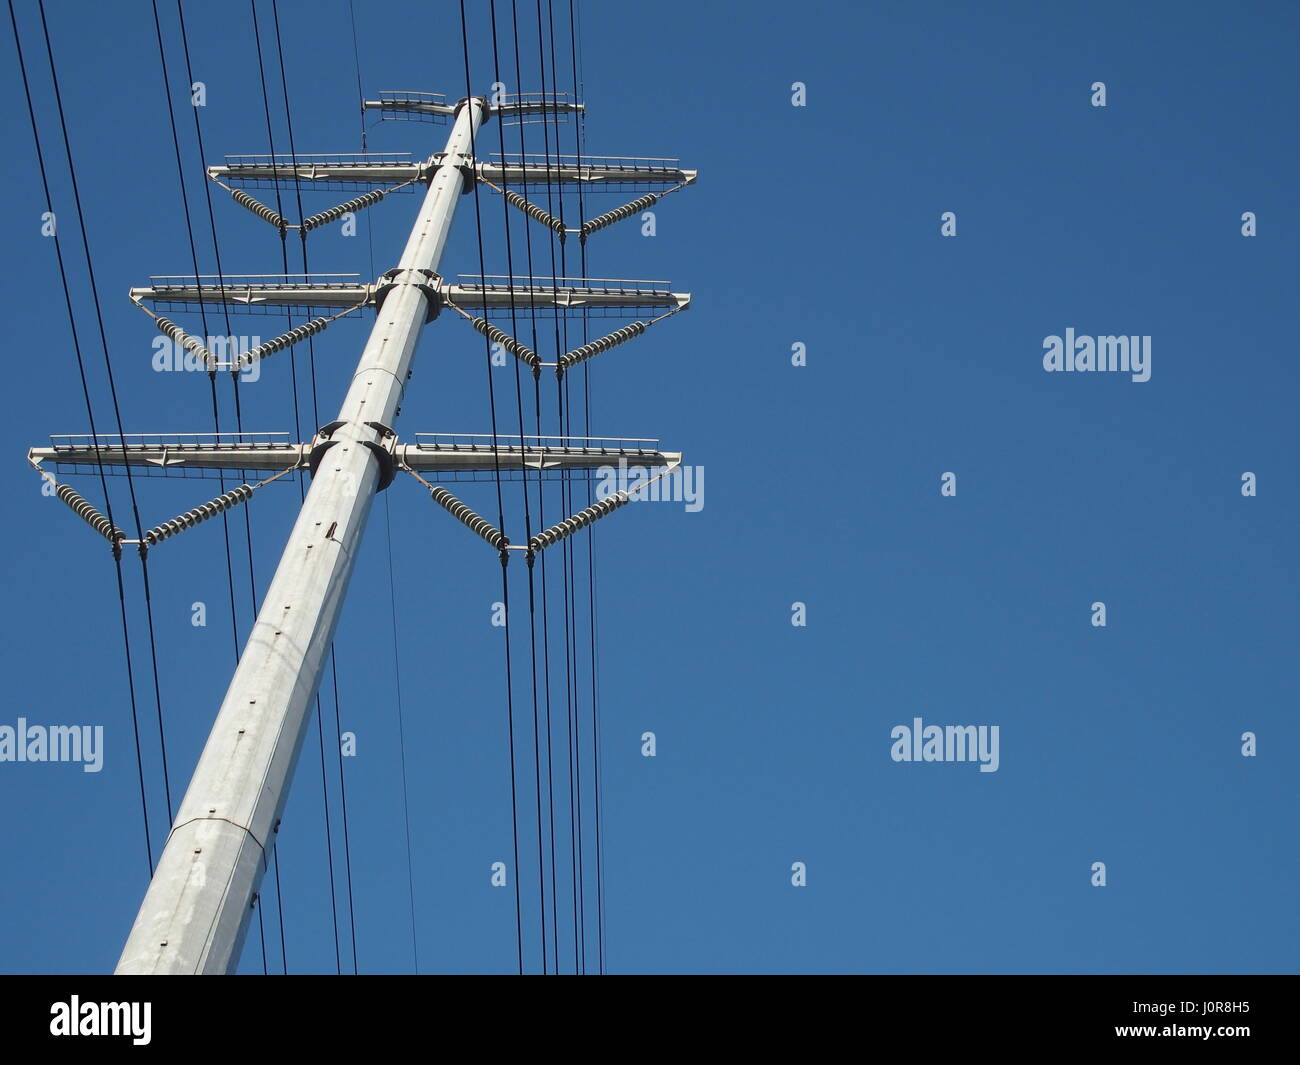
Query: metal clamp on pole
x=430, y=288
x=383, y=452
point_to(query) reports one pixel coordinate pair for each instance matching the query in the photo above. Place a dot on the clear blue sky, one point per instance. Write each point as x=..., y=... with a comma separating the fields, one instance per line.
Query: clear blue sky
x=818, y=225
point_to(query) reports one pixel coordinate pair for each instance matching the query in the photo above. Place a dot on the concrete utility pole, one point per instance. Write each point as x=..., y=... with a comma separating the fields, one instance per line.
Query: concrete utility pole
x=198, y=906
x=197, y=910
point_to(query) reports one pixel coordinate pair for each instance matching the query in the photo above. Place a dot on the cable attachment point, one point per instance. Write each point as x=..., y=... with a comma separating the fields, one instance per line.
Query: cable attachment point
x=88, y=513
x=534, y=212
x=190, y=343
x=260, y=209
x=583, y=518
x=520, y=351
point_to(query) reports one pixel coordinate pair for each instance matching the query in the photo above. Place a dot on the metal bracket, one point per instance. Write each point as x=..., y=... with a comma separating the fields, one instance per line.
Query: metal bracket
x=387, y=464
x=468, y=171
x=318, y=453
x=433, y=298
x=487, y=108
x=323, y=434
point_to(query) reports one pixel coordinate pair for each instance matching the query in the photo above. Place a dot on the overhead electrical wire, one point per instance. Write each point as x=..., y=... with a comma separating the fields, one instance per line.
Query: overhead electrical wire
x=528, y=526
x=541, y=514
x=85, y=388
x=279, y=207
x=293, y=364
x=561, y=344
x=356, y=59
x=117, y=414
x=514, y=328
x=578, y=131
x=315, y=409
x=297, y=189
x=248, y=532
x=541, y=502
x=505, y=583
x=401, y=737
x=221, y=286
x=343, y=795
x=546, y=34
x=334, y=671
x=212, y=376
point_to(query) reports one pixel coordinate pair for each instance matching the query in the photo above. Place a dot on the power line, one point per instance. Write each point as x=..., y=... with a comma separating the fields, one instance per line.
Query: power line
x=293, y=369
x=272, y=688
x=81, y=368
x=221, y=283
x=343, y=795
x=234, y=377
x=157, y=688
x=279, y=906
x=566, y=550
x=334, y=672
x=505, y=583
x=334, y=912
x=356, y=59
x=401, y=734
x=523, y=484
x=261, y=932
x=541, y=519
x=279, y=208
x=203, y=314
x=579, y=121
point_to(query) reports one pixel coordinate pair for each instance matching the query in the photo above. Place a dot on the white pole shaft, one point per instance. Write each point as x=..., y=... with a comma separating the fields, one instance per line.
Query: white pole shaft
x=199, y=903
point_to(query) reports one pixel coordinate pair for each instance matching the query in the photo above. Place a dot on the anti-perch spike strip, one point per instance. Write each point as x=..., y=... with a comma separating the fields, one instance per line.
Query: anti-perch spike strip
x=474, y=522
x=520, y=351
x=189, y=343
x=596, y=347
x=368, y=199
x=294, y=336
x=260, y=209
x=87, y=513
x=533, y=211
x=583, y=518
x=617, y=214
x=192, y=518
